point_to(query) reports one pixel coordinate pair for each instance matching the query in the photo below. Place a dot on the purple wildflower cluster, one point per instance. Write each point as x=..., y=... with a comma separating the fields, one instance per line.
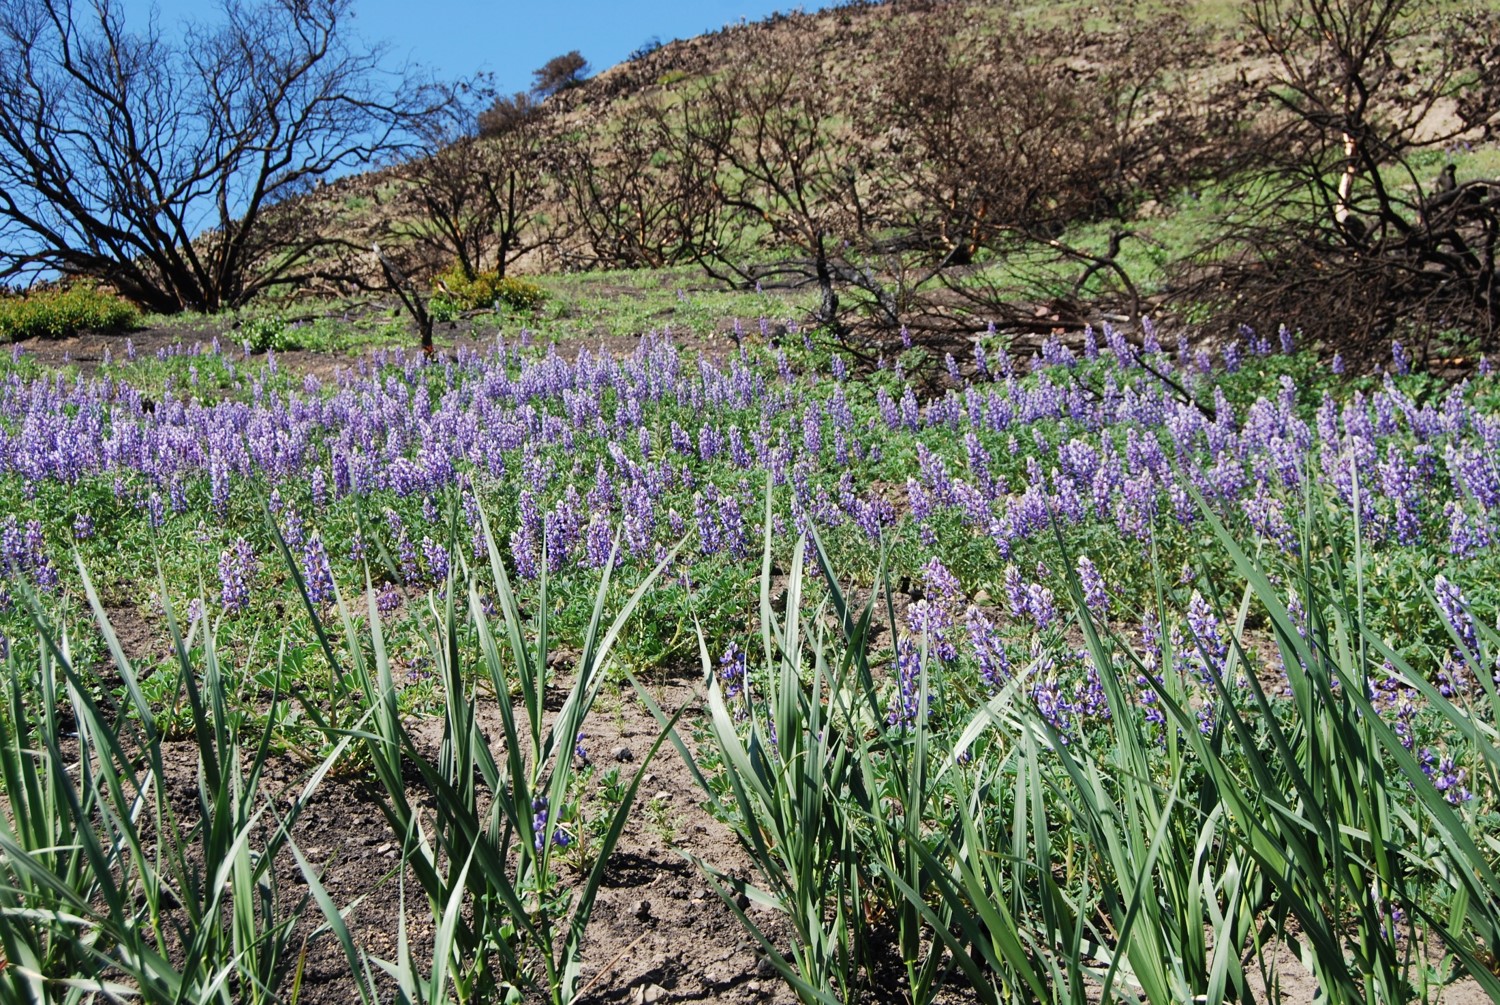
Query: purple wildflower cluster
x=23, y=552
x=573, y=457
x=1446, y=776
x=540, y=814
x=237, y=569
x=572, y=438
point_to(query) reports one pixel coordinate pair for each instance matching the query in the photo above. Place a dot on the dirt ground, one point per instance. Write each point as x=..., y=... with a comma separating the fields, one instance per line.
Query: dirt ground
x=658, y=933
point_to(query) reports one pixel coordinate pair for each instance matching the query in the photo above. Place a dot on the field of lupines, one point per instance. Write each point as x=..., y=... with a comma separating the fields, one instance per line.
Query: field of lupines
x=1118, y=672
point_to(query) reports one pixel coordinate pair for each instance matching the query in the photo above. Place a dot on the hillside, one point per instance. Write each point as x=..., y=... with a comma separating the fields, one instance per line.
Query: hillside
x=946, y=166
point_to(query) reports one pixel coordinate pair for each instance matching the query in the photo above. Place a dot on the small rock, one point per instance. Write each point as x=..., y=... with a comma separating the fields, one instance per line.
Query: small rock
x=982, y=597
x=643, y=910
x=663, y=796
x=764, y=967
x=649, y=993
x=622, y=754
x=388, y=846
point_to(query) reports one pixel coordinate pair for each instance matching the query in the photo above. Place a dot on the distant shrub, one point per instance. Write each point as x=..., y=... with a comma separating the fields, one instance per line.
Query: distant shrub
x=58, y=313
x=672, y=77
x=269, y=332
x=487, y=289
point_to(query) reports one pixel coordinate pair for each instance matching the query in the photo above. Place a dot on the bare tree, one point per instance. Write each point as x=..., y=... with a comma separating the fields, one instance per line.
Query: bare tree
x=997, y=132
x=784, y=168
x=640, y=195
x=174, y=171
x=508, y=112
x=476, y=200
x=1347, y=238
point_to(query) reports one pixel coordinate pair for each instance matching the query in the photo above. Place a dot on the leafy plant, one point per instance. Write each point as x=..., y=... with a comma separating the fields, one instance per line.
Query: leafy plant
x=487, y=289
x=59, y=313
x=108, y=887
x=497, y=833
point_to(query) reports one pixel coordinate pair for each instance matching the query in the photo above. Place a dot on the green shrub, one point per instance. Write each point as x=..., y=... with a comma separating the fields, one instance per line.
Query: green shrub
x=486, y=289
x=264, y=333
x=58, y=313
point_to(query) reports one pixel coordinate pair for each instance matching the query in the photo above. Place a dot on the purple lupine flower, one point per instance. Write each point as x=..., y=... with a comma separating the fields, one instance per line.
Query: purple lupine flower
x=639, y=518
x=83, y=527
x=1039, y=606
x=905, y=708
x=293, y=529
x=732, y=669
x=1446, y=776
x=732, y=525
x=1095, y=596
x=989, y=651
x=1337, y=366
x=940, y=584
x=37, y=561
x=1466, y=535
x=710, y=541
x=1400, y=359
x=931, y=621
x=406, y=553
x=598, y=543
x=523, y=550
x=539, y=814
x=1209, y=647
x=437, y=560
x=387, y=599
x=1015, y=592
x=1455, y=612
x=155, y=510
x=237, y=567
x=316, y=571
x=319, y=488
x=1232, y=357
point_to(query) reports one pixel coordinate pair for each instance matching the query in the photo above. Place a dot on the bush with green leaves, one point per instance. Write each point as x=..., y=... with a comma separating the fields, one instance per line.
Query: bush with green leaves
x=487, y=289
x=61, y=312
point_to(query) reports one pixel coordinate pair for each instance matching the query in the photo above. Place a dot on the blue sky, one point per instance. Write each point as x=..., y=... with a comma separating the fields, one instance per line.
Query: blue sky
x=455, y=38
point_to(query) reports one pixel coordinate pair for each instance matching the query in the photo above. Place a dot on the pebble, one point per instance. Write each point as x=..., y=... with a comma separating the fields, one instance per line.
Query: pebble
x=622, y=754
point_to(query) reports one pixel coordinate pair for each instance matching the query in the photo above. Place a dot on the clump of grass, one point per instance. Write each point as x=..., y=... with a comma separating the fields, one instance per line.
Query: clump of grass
x=487, y=856
x=58, y=313
x=106, y=887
